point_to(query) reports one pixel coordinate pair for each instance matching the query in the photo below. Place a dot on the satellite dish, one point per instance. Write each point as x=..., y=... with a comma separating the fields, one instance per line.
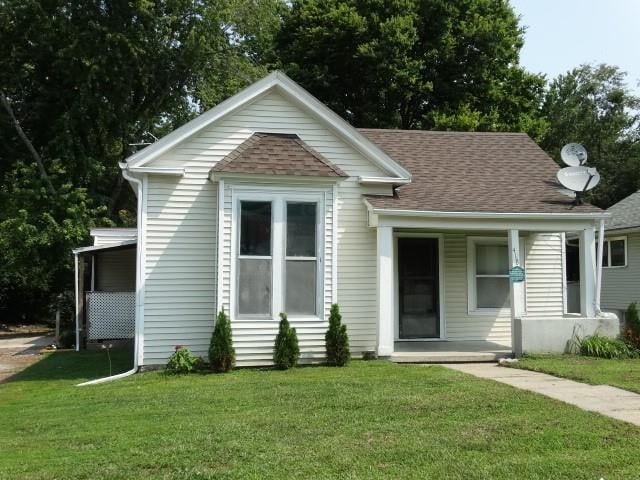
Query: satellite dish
x=574, y=154
x=578, y=179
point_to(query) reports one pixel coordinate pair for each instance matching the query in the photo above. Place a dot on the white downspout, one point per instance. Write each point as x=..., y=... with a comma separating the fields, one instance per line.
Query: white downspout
x=75, y=261
x=599, y=271
x=139, y=246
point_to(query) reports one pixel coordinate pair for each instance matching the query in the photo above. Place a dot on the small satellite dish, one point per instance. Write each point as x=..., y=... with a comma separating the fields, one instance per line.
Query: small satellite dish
x=578, y=179
x=574, y=154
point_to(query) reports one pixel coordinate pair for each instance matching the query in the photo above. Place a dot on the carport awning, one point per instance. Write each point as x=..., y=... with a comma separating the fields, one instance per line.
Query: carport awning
x=101, y=248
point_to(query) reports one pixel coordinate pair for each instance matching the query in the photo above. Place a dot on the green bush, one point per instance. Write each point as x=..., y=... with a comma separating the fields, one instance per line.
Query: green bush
x=632, y=326
x=597, y=345
x=182, y=361
x=286, y=351
x=222, y=356
x=336, y=339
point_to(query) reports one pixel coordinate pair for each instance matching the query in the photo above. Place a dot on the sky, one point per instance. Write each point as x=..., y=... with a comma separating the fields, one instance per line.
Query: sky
x=562, y=34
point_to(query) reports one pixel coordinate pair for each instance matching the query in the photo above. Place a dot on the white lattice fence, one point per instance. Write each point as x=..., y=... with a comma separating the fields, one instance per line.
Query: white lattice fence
x=110, y=315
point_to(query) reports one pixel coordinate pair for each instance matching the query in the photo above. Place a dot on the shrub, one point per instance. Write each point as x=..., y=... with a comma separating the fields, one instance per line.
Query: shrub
x=632, y=326
x=222, y=356
x=182, y=361
x=597, y=345
x=336, y=339
x=67, y=338
x=286, y=351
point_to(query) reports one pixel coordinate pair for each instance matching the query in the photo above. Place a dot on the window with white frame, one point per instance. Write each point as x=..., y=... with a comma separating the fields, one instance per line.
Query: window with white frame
x=614, y=252
x=278, y=259
x=488, y=265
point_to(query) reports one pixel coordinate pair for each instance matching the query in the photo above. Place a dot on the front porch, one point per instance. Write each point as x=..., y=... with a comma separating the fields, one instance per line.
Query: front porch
x=449, y=351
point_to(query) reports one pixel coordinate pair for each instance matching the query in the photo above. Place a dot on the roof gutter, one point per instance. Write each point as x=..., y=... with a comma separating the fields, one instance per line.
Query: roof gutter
x=136, y=342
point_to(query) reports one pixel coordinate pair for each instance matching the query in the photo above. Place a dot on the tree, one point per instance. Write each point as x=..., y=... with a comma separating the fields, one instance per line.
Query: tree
x=222, y=356
x=286, y=351
x=413, y=63
x=336, y=339
x=81, y=82
x=592, y=105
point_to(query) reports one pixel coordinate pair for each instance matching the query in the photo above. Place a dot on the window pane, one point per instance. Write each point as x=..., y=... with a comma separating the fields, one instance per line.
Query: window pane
x=254, y=286
x=255, y=228
x=605, y=254
x=300, y=295
x=492, y=260
x=301, y=229
x=492, y=292
x=617, y=253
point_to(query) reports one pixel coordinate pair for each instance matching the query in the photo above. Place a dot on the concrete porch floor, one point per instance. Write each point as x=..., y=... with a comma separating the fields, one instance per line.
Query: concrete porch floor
x=449, y=352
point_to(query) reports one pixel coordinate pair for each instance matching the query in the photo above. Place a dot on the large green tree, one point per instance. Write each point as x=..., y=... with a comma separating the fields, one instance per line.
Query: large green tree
x=82, y=82
x=594, y=106
x=414, y=63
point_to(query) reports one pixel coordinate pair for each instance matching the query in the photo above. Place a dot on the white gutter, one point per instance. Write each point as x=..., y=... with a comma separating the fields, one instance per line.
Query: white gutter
x=383, y=181
x=155, y=170
x=599, y=270
x=136, y=341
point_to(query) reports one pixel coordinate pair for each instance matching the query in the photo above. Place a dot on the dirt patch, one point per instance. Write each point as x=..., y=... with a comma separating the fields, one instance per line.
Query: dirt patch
x=18, y=352
x=17, y=330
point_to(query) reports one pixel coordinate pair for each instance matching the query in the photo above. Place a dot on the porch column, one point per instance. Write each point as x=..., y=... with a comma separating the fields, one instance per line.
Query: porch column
x=516, y=291
x=385, y=291
x=587, y=271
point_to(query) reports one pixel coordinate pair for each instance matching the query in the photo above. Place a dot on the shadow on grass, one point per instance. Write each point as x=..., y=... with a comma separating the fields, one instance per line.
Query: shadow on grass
x=86, y=364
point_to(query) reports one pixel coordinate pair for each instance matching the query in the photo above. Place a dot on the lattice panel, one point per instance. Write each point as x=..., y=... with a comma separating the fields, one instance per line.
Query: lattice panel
x=110, y=315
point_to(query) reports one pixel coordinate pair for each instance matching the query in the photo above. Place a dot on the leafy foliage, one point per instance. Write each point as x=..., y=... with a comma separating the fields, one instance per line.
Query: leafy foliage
x=414, y=63
x=286, y=351
x=336, y=339
x=632, y=326
x=182, y=361
x=597, y=345
x=222, y=356
x=594, y=106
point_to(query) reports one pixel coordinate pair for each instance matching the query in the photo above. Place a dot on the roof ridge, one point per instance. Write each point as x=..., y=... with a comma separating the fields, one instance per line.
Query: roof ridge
x=446, y=132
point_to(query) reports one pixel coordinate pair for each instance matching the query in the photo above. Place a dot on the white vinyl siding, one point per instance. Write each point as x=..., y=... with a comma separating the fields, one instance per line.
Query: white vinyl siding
x=620, y=285
x=113, y=236
x=181, y=269
x=180, y=265
x=459, y=323
x=543, y=270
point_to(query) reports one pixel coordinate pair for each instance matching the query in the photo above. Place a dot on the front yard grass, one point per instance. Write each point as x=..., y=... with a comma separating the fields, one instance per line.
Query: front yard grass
x=596, y=371
x=368, y=420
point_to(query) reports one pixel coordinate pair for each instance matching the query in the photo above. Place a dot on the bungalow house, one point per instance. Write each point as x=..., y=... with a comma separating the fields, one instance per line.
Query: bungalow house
x=270, y=202
x=621, y=256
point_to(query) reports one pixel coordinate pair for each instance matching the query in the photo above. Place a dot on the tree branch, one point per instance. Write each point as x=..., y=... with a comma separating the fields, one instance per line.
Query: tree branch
x=34, y=153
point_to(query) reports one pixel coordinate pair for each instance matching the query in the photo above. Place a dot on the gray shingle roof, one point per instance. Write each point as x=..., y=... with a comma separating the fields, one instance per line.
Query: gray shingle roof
x=472, y=172
x=277, y=154
x=625, y=213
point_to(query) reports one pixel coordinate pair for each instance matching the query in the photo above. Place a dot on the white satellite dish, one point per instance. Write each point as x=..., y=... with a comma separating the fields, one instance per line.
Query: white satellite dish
x=578, y=179
x=573, y=154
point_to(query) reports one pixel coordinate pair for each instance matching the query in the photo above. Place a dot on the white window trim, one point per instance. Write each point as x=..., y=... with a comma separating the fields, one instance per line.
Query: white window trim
x=278, y=198
x=472, y=301
x=607, y=245
x=441, y=294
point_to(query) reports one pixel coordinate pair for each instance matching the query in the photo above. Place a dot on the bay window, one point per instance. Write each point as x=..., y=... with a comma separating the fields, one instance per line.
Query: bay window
x=278, y=255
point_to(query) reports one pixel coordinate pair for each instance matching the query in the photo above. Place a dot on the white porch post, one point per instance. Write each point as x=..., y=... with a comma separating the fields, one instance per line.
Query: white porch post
x=385, y=291
x=516, y=291
x=587, y=271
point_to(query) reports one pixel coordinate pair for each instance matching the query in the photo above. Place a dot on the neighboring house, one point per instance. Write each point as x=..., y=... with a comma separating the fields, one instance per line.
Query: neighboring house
x=621, y=259
x=270, y=202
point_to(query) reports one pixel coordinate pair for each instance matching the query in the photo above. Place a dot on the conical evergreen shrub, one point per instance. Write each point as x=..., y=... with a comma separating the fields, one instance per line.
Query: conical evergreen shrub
x=336, y=339
x=222, y=356
x=286, y=351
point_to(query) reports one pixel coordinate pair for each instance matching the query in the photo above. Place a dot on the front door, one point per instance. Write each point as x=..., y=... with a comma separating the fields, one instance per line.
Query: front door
x=419, y=309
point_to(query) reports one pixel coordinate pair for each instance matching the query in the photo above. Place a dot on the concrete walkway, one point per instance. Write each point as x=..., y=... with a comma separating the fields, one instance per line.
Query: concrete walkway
x=17, y=353
x=611, y=401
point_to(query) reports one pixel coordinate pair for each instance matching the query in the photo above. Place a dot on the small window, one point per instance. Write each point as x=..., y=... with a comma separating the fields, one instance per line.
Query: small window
x=489, y=278
x=614, y=252
x=301, y=259
x=255, y=261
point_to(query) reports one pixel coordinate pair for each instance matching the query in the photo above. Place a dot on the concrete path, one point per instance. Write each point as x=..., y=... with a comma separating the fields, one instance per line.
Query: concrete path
x=17, y=353
x=611, y=401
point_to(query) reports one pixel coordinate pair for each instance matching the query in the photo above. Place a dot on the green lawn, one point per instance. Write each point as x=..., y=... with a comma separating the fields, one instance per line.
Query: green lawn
x=369, y=420
x=596, y=371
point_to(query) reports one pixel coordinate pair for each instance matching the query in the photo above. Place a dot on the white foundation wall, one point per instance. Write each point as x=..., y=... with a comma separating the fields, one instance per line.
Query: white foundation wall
x=181, y=287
